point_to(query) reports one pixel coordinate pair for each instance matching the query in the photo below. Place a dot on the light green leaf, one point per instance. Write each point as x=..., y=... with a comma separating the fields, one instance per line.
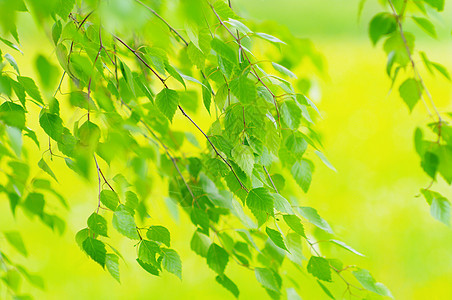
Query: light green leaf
x=30, y=87
x=15, y=239
x=370, y=284
x=159, y=234
x=302, y=173
x=45, y=167
x=217, y=258
x=244, y=157
x=284, y=70
x=440, y=209
x=276, y=238
x=282, y=204
x=259, y=201
x=171, y=262
x=426, y=25
x=410, y=92
x=147, y=252
x=244, y=89
x=112, y=264
x=294, y=223
x=12, y=114
x=167, y=101
x=124, y=223
x=325, y=160
x=109, y=199
x=269, y=38
x=313, y=217
x=345, y=246
x=291, y=114
x=97, y=224
x=319, y=267
x=265, y=277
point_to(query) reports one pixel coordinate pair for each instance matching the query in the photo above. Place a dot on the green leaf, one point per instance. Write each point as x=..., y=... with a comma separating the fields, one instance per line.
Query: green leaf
x=35, y=203
x=284, y=70
x=276, y=238
x=313, y=217
x=302, y=173
x=124, y=223
x=319, y=267
x=147, y=252
x=159, y=234
x=228, y=284
x=96, y=250
x=269, y=38
x=12, y=62
x=109, y=199
x=282, y=205
x=200, y=244
x=64, y=7
x=325, y=160
x=430, y=163
x=426, y=25
x=224, y=50
x=244, y=89
x=294, y=223
x=112, y=264
x=347, y=247
x=30, y=87
x=292, y=294
x=171, y=262
x=437, y=4
x=97, y=224
x=244, y=157
x=15, y=239
x=410, y=92
x=57, y=28
x=45, y=167
x=151, y=269
x=296, y=144
x=217, y=258
x=265, y=277
x=259, y=200
x=12, y=114
x=326, y=290
x=370, y=284
x=440, y=209
x=382, y=24
x=291, y=114
x=52, y=125
x=167, y=101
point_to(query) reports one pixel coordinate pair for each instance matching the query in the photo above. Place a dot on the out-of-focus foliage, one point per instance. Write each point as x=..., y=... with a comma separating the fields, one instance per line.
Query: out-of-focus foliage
x=399, y=45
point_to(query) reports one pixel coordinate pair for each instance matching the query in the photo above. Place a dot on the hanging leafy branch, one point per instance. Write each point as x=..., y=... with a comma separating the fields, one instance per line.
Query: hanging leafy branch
x=436, y=154
x=132, y=86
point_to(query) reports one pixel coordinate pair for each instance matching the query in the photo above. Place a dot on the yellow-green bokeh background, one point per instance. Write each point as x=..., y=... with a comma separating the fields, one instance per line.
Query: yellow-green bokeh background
x=372, y=201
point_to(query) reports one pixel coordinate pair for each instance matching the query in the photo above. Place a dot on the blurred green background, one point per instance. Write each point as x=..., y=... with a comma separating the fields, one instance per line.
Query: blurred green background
x=372, y=201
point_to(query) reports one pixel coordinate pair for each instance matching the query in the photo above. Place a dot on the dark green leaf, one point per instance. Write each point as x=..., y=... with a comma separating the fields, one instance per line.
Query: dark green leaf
x=96, y=250
x=124, y=223
x=381, y=25
x=109, y=199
